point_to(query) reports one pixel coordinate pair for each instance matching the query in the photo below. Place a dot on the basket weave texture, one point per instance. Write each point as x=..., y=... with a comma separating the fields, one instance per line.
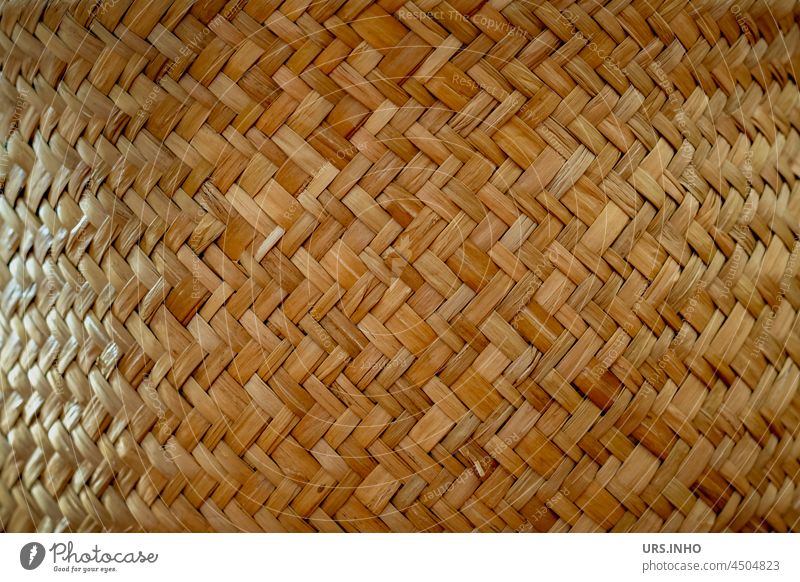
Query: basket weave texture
x=383, y=266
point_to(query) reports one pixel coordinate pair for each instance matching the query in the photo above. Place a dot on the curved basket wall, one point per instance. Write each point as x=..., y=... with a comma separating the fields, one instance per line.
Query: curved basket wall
x=345, y=265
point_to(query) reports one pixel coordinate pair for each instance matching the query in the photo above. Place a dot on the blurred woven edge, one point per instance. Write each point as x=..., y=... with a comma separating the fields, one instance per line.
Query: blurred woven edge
x=356, y=266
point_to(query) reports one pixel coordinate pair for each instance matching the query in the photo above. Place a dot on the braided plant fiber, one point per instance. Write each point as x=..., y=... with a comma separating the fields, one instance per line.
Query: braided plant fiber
x=339, y=265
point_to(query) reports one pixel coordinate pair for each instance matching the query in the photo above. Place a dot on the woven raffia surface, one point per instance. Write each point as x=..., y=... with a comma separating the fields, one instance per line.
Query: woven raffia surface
x=359, y=266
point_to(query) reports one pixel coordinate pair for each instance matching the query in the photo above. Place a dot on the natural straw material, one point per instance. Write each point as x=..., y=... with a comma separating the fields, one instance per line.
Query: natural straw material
x=445, y=266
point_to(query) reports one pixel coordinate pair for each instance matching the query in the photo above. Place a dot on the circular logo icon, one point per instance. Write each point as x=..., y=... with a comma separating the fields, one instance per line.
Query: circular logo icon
x=31, y=555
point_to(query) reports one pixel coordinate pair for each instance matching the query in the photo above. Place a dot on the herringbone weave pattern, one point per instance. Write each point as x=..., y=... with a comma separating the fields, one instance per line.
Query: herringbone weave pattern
x=392, y=266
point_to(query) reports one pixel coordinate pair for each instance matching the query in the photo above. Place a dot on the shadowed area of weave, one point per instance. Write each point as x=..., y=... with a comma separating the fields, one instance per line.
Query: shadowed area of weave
x=386, y=266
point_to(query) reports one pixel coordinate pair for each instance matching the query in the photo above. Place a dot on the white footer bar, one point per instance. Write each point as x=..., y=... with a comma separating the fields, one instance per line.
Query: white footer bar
x=400, y=557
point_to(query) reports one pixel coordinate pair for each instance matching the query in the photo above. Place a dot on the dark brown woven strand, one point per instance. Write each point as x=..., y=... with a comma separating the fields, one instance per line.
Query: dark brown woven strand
x=356, y=266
